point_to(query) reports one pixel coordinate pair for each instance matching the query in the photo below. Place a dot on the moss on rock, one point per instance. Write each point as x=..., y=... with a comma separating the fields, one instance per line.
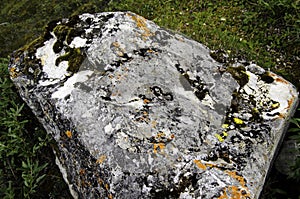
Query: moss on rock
x=239, y=74
x=75, y=57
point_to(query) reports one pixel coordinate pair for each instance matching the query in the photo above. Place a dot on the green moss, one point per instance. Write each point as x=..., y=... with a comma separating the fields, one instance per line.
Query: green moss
x=32, y=46
x=75, y=57
x=62, y=32
x=239, y=74
x=30, y=62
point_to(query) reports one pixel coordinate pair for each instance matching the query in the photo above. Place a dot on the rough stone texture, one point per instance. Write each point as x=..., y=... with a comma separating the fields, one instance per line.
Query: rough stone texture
x=140, y=112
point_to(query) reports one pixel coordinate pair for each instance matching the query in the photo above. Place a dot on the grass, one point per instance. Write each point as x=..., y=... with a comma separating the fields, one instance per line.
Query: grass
x=265, y=32
x=27, y=165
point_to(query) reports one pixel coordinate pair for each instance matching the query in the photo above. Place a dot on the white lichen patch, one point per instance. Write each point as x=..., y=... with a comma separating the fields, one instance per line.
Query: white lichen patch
x=280, y=92
x=251, y=86
x=208, y=101
x=48, y=82
x=78, y=42
x=48, y=58
x=68, y=86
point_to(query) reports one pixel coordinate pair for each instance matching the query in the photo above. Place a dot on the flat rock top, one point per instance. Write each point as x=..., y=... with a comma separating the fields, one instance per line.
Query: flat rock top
x=151, y=110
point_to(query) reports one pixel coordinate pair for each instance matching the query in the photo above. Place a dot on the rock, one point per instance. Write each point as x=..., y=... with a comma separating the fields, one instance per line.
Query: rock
x=141, y=112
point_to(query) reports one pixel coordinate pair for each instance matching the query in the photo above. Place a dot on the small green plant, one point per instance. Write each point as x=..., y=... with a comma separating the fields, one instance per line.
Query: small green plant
x=20, y=146
x=31, y=176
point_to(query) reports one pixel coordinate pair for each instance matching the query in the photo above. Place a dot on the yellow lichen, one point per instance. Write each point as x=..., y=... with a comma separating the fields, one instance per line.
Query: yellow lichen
x=225, y=133
x=225, y=126
x=219, y=137
x=275, y=105
x=238, y=121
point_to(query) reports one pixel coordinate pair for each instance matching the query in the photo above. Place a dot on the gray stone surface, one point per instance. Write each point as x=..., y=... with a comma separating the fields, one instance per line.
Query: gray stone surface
x=140, y=112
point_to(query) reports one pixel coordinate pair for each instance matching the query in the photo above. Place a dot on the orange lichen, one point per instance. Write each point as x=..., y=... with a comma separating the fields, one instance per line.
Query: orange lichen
x=107, y=187
x=111, y=76
x=152, y=51
x=119, y=76
x=142, y=25
x=146, y=101
x=234, y=175
x=116, y=44
x=81, y=172
x=224, y=195
x=290, y=102
x=68, y=133
x=281, y=80
x=160, y=134
x=200, y=164
x=101, y=159
x=13, y=73
x=159, y=146
x=281, y=115
x=154, y=123
x=145, y=113
x=100, y=181
x=236, y=192
x=172, y=136
x=110, y=196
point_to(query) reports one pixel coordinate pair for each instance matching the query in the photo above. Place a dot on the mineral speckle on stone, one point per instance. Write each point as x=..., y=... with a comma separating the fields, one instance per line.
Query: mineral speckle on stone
x=140, y=112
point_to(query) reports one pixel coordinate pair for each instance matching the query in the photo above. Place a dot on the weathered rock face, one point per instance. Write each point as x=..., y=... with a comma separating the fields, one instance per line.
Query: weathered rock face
x=140, y=112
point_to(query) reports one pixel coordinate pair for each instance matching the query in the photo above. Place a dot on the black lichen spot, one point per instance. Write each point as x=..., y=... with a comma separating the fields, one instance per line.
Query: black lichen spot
x=146, y=52
x=239, y=74
x=163, y=192
x=157, y=91
x=197, y=85
x=75, y=57
x=267, y=78
x=201, y=94
x=89, y=21
x=212, y=156
x=168, y=96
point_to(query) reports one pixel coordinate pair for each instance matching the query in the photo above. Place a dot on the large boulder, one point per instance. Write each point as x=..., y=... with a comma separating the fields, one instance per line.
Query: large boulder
x=138, y=111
